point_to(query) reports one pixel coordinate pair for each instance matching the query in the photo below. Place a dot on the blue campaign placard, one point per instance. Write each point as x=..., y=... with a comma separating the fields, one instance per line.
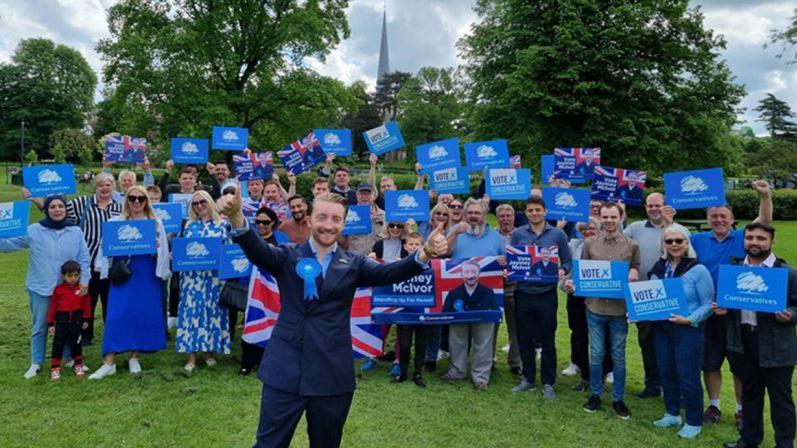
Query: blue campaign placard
x=358, y=220
x=384, y=139
x=415, y=292
x=124, y=148
x=508, y=183
x=536, y=264
x=133, y=237
x=335, y=141
x=196, y=254
x=438, y=155
x=255, y=165
x=46, y=180
x=695, y=189
x=233, y=262
x=655, y=299
x=600, y=278
x=171, y=215
x=546, y=168
x=491, y=154
x=575, y=164
x=402, y=205
x=570, y=204
x=190, y=150
x=461, y=317
x=230, y=139
x=455, y=180
x=14, y=218
x=753, y=288
x=184, y=199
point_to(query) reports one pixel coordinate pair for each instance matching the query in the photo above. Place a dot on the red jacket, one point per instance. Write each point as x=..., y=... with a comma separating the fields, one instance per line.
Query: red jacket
x=65, y=298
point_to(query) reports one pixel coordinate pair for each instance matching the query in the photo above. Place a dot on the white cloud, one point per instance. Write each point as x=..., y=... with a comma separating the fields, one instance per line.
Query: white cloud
x=748, y=26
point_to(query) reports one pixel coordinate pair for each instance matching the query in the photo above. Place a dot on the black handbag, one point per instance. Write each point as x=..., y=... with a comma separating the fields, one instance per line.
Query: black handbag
x=234, y=295
x=120, y=272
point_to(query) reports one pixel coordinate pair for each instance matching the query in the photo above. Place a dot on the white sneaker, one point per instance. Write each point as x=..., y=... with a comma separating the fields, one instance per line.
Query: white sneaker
x=538, y=353
x=171, y=322
x=135, y=366
x=571, y=370
x=211, y=362
x=33, y=370
x=505, y=348
x=102, y=372
x=71, y=363
x=609, y=378
x=442, y=355
x=189, y=368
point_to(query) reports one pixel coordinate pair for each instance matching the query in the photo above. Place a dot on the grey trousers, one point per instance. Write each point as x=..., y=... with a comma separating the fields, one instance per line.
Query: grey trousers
x=481, y=338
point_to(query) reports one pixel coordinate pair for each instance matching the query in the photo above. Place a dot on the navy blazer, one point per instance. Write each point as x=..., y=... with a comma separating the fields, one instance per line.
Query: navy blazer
x=309, y=352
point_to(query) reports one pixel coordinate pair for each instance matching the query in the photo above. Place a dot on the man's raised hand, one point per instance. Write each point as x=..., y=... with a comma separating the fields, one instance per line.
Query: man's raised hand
x=230, y=205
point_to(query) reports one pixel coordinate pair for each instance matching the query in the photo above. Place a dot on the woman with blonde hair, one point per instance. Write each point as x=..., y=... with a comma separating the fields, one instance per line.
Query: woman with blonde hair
x=440, y=213
x=135, y=321
x=202, y=323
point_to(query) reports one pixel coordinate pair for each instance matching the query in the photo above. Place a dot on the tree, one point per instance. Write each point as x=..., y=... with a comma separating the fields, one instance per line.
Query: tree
x=69, y=143
x=365, y=117
x=49, y=87
x=776, y=159
x=183, y=66
x=431, y=106
x=775, y=114
x=643, y=80
x=387, y=88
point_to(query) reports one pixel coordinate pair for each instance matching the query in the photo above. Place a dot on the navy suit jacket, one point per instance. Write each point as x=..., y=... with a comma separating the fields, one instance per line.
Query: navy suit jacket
x=483, y=298
x=540, y=269
x=309, y=352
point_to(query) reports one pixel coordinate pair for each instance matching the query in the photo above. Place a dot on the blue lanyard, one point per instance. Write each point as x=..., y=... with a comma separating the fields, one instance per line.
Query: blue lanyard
x=668, y=271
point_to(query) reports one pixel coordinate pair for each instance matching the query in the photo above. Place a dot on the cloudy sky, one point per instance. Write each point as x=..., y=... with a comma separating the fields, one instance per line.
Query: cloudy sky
x=744, y=23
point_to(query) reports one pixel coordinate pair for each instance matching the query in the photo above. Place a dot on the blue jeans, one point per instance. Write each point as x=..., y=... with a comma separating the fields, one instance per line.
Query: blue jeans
x=617, y=327
x=39, y=305
x=677, y=347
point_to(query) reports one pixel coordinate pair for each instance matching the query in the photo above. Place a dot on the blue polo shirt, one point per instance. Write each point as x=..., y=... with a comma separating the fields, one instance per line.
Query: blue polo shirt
x=711, y=253
x=550, y=236
x=489, y=243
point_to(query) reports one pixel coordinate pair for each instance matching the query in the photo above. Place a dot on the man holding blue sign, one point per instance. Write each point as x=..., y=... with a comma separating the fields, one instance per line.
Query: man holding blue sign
x=763, y=347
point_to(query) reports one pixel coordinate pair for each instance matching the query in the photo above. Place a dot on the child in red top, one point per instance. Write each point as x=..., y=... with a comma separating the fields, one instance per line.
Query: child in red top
x=68, y=314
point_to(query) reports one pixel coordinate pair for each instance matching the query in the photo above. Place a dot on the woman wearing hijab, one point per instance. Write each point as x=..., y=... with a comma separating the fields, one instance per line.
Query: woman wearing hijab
x=135, y=321
x=52, y=242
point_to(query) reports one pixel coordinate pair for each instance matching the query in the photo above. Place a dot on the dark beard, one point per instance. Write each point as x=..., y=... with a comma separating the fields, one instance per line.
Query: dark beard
x=762, y=255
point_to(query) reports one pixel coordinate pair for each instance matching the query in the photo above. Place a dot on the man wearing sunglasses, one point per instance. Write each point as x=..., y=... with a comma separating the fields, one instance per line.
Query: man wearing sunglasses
x=308, y=362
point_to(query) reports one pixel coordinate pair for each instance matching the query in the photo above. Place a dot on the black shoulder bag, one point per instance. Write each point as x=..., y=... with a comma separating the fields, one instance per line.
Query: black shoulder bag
x=120, y=272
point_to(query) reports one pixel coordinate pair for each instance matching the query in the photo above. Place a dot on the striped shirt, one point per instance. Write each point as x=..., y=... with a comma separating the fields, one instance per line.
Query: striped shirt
x=90, y=220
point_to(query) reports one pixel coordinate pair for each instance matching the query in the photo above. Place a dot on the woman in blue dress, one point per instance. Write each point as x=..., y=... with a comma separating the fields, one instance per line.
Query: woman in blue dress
x=202, y=323
x=135, y=322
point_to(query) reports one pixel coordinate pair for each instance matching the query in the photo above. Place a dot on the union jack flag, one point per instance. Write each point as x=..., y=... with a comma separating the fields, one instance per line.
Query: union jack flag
x=514, y=162
x=263, y=309
x=571, y=163
x=612, y=184
x=522, y=263
x=124, y=148
x=302, y=154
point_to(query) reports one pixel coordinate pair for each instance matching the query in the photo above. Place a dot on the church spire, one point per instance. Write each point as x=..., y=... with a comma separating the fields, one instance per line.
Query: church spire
x=384, y=58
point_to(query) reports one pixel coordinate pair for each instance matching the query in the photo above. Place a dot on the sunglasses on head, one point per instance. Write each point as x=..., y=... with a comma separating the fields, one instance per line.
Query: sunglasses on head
x=141, y=199
x=455, y=206
x=199, y=202
x=263, y=222
x=394, y=225
x=671, y=241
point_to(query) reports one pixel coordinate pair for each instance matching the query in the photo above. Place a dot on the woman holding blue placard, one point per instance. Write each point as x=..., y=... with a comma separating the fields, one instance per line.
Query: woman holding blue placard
x=135, y=321
x=679, y=340
x=202, y=324
x=52, y=242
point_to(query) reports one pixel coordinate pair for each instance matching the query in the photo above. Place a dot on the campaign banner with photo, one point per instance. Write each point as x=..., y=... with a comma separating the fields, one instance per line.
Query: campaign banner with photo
x=233, y=262
x=335, y=141
x=753, y=288
x=302, y=154
x=196, y=254
x=575, y=164
x=193, y=151
x=491, y=154
x=438, y=155
x=451, y=303
x=123, y=148
x=385, y=138
x=401, y=205
x=133, y=237
x=455, y=180
x=171, y=215
x=249, y=207
x=600, y=278
x=255, y=165
x=546, y=168
x=508, y=184
x=514, y=162
x=415, y=292
x=618, y=184
x=536, y=264
x=230, y=139
x=570, y=204
x=282, y=209
x=655, y=299
x=184, y=199
x=695, y=189
x=46, y=180
x=14, y=218
x=358, y=220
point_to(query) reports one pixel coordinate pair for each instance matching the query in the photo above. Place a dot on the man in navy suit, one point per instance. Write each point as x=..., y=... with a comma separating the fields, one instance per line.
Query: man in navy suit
x=307, y=365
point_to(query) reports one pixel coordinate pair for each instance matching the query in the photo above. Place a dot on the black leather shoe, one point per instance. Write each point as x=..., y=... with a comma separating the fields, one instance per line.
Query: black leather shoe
x=517, y=371
x=738, y=444
x=649, y=393
x=400, y=379
x=418, y=380
x=431, y=366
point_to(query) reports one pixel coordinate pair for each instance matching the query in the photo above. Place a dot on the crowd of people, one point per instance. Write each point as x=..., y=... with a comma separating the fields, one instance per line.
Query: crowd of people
x=142, y=300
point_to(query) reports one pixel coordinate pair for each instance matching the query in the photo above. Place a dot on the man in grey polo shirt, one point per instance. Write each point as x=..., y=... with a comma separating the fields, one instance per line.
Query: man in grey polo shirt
x=647, y=234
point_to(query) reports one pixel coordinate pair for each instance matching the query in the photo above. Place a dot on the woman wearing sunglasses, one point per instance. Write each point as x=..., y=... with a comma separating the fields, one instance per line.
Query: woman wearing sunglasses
x=679, y=340
x=135, y=322
x=202, y=323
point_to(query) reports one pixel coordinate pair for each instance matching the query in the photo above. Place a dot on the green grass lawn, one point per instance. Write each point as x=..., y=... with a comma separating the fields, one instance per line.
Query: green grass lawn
x=217, y=408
